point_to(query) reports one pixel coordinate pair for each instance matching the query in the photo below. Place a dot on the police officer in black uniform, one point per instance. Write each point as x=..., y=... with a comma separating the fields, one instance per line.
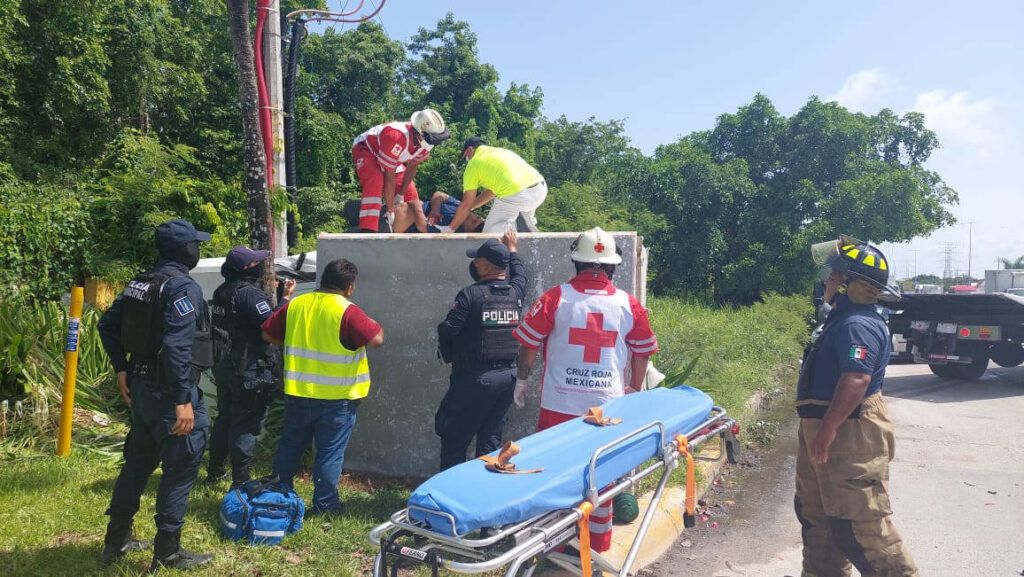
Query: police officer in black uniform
x=476, y=337
x=246, y=369
x=157, y=336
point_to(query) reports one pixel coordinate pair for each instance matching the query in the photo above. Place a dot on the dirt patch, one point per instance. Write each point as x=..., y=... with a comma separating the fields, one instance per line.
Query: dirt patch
x=67, y=538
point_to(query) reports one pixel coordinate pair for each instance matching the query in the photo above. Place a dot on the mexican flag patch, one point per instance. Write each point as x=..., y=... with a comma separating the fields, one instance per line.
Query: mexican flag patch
x=859, y=352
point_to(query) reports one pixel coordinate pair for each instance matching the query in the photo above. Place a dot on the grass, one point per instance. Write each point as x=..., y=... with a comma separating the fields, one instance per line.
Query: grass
x=54, y=525
x=742, y=351
x=53, y=519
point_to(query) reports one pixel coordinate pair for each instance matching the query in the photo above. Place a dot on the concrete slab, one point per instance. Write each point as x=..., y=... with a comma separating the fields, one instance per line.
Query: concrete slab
x=407, y=282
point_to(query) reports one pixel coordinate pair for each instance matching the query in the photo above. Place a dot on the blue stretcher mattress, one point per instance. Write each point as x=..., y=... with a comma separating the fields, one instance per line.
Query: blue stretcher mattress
x=478, y=498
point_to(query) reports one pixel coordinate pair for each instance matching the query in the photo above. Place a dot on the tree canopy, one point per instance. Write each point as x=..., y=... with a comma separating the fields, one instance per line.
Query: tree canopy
x=130, y=108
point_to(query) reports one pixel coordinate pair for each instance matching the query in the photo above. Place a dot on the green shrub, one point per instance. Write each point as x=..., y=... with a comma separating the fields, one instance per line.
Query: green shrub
x=741, y=350
x=322, y=208
x=44, y=239
x=32, y=340
x=143, y=183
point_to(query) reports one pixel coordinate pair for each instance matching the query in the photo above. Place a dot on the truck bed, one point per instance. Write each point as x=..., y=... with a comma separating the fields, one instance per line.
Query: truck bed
x=959, y=306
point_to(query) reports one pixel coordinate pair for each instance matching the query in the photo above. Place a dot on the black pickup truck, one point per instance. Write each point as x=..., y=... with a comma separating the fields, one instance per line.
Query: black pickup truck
x=957, y=335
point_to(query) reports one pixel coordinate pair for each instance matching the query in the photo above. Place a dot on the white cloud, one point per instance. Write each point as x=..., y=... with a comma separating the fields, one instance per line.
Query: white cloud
x=959, y=120
x=864, y=88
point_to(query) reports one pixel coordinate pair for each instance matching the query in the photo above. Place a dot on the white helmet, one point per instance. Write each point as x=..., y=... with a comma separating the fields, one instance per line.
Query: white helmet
x=427, y=121
x=595, y=245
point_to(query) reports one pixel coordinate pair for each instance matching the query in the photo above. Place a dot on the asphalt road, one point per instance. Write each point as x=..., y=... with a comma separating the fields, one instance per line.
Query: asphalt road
x=957, y=486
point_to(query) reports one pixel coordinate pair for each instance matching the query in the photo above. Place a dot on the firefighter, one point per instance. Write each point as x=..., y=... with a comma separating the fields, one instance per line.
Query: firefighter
x=157, y=335
x=386, y=158
x=476, y=337
x=846, y=438
x=246, y=369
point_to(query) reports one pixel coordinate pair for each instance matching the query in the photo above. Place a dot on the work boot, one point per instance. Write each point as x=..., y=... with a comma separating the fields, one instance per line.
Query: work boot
x=167, y=552
x=215, y=476
x=119, y=540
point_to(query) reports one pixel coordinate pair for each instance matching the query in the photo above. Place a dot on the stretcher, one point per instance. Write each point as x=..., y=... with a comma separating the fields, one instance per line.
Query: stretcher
x=472, y=520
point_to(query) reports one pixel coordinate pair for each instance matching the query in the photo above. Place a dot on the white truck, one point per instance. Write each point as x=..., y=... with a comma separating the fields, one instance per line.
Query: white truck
x=1010, y=281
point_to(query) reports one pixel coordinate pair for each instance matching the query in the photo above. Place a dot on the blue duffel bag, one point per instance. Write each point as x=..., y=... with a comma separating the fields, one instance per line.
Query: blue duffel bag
x=261, y=512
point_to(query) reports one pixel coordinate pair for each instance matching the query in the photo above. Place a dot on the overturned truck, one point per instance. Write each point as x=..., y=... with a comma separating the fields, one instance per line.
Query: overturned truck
x=957, y=335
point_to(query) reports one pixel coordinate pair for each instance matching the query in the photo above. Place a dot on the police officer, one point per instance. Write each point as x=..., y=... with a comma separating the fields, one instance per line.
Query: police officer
x=156, y=334
x=246, y=368
x=846, y=437
x=476, y=337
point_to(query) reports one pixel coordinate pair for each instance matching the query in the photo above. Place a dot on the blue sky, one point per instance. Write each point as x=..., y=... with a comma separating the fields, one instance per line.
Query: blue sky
x=669, y=68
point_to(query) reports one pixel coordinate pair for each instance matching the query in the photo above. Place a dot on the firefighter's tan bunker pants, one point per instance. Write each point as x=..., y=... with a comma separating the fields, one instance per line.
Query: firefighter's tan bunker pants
x=843, y=505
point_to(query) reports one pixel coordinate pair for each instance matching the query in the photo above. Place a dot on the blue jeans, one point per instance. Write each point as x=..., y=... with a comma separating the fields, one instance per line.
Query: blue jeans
x=329, y=424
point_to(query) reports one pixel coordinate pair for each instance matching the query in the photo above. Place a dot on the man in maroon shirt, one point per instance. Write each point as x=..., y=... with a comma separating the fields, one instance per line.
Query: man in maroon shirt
x=324, y=379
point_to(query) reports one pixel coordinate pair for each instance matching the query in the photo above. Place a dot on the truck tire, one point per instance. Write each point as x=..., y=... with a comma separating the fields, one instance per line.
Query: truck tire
x=1008, y=355
x=974, y=370
x=944, y=371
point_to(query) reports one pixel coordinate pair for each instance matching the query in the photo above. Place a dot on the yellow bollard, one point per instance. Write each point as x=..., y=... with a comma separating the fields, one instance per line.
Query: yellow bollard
x=67, y=405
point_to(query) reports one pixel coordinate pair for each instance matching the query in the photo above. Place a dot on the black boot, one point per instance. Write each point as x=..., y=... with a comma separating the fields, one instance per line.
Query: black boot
x=215, y=475
x=119, y=540
x=167, y=552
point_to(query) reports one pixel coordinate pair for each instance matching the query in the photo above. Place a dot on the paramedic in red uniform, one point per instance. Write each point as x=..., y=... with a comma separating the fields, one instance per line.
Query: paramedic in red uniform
x=591, y=331
x=386, y=158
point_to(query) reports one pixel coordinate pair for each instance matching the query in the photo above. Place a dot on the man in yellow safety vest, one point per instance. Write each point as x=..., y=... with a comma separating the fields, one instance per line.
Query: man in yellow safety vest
x=326, y=373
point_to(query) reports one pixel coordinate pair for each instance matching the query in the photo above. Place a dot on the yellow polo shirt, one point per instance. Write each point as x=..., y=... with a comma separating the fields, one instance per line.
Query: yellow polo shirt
x=500, y=171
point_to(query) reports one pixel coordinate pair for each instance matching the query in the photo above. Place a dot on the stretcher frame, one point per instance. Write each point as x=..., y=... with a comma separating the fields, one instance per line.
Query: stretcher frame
x=403, y=542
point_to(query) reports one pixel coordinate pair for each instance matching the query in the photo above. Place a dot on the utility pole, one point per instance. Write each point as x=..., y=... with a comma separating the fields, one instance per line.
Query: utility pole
x=915, y=251
x=275, y=91
x=970, y=239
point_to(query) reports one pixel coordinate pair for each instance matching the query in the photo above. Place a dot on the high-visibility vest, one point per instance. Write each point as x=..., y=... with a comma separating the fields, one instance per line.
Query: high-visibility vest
x=316, y=364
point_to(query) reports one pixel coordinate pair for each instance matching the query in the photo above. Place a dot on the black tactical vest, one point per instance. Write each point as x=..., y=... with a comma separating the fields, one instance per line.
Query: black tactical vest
x=499, y=316
x=222, y=310
x=142, y=324
x=486, y=340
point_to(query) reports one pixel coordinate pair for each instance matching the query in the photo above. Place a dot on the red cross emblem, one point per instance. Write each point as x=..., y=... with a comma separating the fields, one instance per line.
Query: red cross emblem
x=593, y=338
x=599, y=247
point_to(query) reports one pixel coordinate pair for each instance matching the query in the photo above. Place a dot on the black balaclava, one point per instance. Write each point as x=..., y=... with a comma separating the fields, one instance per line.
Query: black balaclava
x=253, y=273
x=473, y=273
x=186, y=254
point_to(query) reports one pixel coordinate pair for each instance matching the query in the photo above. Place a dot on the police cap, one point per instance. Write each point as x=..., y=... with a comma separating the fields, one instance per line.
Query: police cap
x=242, y=256
x=178, y=232
x=492, y=250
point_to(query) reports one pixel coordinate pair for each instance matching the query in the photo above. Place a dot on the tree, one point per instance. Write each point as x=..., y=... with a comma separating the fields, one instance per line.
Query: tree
x=568, y=151
x=1014, y=264
x=254, y=175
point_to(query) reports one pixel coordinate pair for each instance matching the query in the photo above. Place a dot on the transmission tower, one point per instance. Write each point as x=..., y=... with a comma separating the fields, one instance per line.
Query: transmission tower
x=948, y=253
